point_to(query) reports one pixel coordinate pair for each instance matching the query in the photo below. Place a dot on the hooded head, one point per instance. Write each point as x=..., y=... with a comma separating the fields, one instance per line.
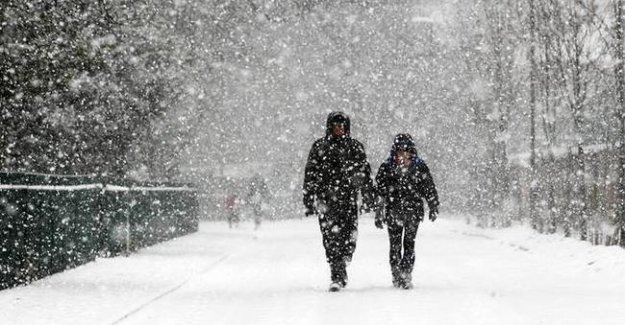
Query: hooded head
x=404, y=142
x=338, y=119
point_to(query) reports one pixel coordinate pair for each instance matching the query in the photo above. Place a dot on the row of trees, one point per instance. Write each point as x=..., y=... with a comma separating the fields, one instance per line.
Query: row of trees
x=559, y=65
x=77, y=86
x=111, y=86
x=122, y=87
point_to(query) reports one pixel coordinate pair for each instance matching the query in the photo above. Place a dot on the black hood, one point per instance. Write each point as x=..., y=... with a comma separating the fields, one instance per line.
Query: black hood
x=403, y=141
x=337, y=117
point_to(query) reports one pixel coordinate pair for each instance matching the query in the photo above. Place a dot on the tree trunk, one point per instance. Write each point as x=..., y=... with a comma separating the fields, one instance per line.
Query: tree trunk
x=532, y=199
x=620, y=84
x=582, y=197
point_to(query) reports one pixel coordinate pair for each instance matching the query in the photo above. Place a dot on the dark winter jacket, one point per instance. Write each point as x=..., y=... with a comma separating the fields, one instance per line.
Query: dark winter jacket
x=402, y=190
x=337, y=169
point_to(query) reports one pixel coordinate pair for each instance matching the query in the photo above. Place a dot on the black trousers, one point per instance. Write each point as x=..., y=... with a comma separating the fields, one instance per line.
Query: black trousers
x=402, y=232
x=339, y=229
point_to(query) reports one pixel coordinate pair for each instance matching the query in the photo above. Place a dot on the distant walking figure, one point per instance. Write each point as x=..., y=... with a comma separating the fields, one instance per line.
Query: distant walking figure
x=257, y=196
x=232, y=210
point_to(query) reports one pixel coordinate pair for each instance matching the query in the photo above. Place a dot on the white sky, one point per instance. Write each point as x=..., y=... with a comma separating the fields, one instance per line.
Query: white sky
x=278, y=275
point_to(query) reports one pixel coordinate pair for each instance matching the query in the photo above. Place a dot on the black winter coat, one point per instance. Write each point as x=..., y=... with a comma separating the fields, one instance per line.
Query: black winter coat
x=402, y=190
x=336, y=170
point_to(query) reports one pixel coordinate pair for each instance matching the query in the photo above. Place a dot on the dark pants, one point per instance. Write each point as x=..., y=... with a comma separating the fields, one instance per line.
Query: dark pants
x=402, y=232
x=339, y=228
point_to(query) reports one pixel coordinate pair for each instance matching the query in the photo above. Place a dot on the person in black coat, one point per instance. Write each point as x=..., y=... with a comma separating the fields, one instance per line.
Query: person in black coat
x=403, y=182
x=336, y=172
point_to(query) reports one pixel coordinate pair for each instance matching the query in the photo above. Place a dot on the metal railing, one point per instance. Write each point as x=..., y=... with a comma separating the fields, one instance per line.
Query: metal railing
x=49, y=223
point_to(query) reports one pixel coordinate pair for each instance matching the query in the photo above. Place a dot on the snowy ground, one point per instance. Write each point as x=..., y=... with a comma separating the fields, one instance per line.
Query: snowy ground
x=278, y=275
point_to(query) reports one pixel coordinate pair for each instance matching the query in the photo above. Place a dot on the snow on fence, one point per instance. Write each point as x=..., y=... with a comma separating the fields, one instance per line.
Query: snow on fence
x=49, y=223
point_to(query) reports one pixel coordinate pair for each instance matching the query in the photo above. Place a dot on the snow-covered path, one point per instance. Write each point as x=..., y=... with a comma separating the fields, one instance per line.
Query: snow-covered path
x=278, y=275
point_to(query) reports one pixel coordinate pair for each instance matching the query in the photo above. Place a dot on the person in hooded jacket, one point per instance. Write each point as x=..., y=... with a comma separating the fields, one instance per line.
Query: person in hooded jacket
x=336, y=173
x=403, y=182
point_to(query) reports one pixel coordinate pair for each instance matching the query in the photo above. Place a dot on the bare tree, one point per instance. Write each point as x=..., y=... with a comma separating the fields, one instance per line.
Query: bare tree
x=547, y=19
x=619, y=29
x=536, y=223
x=575, y=61
x=502, y=33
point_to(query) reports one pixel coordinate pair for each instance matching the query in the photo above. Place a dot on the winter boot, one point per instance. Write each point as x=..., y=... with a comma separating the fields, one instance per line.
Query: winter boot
x=397, y=279
x=338, y=274
x=337, y=277
x=335, y=286
x=343, y=277
x=406, y=280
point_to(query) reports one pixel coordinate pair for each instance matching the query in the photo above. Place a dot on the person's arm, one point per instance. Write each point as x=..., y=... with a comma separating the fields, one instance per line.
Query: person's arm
x=363, y=179
x=381, y=193
x=311, y=180
x=381, y=179
x=428, y=191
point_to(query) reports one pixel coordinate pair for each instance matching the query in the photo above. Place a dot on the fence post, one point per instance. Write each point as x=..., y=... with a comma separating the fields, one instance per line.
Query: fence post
x=127, y=252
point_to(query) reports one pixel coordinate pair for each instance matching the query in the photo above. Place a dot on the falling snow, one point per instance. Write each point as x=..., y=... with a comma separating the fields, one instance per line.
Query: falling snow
x=120, y=118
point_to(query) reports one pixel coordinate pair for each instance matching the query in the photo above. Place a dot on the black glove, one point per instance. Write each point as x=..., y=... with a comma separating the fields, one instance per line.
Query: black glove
x=368, y=203
x=379, y=217
x=309, y=204
x=310, y=211
x=433, y=213
x=379, y=223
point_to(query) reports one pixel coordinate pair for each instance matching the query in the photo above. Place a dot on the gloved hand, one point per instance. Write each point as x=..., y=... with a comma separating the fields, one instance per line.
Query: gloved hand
x=368, y=203
x=310, y=210
x=309, y=205
x=379, y=218
x=433, y=213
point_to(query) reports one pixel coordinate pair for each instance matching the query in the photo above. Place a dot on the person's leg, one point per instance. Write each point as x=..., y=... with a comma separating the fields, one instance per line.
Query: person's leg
x=348, y=236
x=350, y=233
x=326, y=225
x=237, y=219
x=257, y=216
x=330, y=231
x=339, y=226
x=395, y=232
x=408, y=259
